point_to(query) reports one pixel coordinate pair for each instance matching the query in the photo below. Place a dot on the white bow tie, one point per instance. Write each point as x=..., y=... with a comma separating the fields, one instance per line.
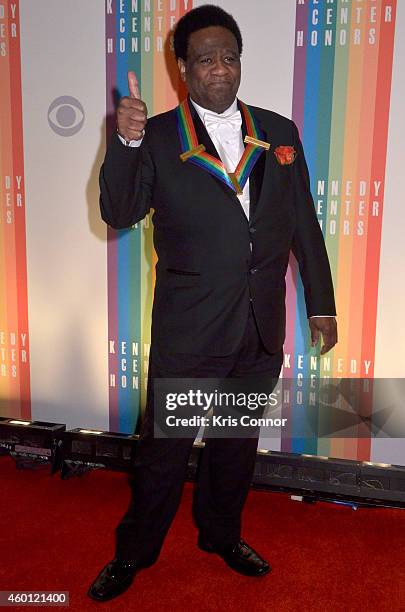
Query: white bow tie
x=213, y=121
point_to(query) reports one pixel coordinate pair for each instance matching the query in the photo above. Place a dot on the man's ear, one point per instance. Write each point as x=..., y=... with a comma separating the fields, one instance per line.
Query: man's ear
x=182, y=68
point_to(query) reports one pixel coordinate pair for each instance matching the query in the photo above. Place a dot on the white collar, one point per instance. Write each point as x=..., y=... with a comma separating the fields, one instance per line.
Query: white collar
x=201, y=110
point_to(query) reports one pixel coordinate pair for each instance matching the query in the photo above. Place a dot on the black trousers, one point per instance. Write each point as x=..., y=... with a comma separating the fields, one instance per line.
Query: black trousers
x=226, y=466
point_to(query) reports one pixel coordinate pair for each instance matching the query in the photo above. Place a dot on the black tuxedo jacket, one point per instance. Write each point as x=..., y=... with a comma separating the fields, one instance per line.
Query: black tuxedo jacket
x=207, y=271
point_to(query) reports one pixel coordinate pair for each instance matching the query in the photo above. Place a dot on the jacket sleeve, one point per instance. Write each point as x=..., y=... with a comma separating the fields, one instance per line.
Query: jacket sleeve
x=126, y=182
x=308, y=243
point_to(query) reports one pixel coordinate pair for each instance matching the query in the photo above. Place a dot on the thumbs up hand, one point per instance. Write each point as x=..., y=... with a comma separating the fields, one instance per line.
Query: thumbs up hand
x=132, y=111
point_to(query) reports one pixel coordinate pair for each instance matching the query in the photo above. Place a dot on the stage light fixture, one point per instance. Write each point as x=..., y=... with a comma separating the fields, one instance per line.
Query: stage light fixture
x=312, y=477
x=84, y=449
x=30, y=443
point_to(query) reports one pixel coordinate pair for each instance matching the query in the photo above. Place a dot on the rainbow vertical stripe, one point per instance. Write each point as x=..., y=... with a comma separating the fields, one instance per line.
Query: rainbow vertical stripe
x=14, y=340
x=137, y=38
x=341, y=100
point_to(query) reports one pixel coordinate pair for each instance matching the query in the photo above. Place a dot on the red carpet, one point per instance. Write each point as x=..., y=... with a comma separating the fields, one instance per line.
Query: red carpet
x=56, y=535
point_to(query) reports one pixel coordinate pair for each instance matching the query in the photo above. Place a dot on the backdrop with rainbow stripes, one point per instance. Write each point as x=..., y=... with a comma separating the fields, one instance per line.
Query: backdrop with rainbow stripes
x=14, y=339
x=341, y=102
x=341, y=97
x=137, y=38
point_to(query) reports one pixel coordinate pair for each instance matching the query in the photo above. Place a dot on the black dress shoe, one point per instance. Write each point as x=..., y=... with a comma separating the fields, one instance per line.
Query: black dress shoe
x=240, y=557
x=115, y=578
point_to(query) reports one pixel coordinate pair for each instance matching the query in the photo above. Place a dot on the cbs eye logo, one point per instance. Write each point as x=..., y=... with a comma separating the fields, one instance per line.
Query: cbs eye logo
x=65, y=116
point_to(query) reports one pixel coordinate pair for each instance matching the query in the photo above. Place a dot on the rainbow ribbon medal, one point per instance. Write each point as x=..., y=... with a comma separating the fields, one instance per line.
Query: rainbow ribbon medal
x=196, y=153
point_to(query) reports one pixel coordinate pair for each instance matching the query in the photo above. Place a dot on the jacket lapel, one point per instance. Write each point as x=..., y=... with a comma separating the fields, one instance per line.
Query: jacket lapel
x=257, y=174
x=202, y=134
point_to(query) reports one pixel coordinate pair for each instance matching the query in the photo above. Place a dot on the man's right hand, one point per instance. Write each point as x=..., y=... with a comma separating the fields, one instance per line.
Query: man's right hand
x=132, y=112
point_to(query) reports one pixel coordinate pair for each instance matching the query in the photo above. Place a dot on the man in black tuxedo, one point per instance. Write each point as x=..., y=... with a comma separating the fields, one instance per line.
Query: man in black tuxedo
x=223, y=243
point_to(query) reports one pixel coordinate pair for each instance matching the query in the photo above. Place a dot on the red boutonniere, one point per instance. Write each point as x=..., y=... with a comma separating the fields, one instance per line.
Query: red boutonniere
x=285, y=155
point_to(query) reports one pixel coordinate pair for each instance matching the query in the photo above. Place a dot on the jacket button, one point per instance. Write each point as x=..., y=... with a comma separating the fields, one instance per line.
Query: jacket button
x=253, y=270
x=252, y=230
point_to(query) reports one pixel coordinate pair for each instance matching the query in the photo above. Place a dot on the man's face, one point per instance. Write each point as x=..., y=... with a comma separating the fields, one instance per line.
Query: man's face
x=212, y=69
